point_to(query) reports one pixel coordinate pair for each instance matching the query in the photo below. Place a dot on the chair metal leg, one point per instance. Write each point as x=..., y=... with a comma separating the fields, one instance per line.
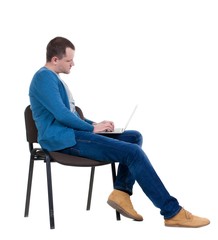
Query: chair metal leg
x=113, y=169
x=29, y=186
x=90, y=188
x=50, y=194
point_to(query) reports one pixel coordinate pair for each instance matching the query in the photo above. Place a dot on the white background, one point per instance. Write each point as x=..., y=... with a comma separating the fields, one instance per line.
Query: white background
x=159, y=54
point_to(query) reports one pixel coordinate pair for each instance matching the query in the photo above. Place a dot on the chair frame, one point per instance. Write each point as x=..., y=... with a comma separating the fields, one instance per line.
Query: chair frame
x=39, y=154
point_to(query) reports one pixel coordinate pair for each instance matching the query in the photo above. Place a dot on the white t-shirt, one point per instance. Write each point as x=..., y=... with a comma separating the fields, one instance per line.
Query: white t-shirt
x=70, y=96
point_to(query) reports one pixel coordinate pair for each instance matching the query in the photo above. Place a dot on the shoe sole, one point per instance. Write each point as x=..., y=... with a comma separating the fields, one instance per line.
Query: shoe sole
x=184, y=226
x=121, y=210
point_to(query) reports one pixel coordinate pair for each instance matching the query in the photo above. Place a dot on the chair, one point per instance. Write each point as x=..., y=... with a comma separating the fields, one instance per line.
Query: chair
x=37, y=153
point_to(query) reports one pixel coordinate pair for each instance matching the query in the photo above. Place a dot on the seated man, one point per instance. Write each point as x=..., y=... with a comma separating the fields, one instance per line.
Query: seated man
x=61, y=129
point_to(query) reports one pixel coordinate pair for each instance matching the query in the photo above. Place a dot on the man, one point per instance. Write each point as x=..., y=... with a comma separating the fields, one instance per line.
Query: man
x=61, y=129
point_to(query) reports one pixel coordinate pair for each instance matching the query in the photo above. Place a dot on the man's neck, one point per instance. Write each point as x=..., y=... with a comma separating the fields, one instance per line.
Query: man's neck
x=51, y=67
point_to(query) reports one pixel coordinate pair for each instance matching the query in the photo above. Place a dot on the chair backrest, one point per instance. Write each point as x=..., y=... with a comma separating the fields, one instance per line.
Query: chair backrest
x=31, y=130
x=79, y=111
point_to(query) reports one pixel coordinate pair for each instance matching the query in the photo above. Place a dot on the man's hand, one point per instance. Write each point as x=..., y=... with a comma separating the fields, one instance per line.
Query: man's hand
x=107, y=126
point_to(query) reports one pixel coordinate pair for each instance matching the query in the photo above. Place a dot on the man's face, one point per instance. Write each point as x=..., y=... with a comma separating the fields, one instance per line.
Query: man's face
x=64, y=65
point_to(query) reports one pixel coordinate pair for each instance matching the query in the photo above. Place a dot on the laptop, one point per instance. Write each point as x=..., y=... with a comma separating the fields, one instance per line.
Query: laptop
x=120, y=130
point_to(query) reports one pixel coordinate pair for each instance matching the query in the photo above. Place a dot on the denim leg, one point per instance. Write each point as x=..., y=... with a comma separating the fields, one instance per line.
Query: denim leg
x=131, y=136
x=134, y=163
x=124, y=180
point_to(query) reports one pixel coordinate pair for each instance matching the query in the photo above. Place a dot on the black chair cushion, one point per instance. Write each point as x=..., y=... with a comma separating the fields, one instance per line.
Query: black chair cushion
x=69, y=160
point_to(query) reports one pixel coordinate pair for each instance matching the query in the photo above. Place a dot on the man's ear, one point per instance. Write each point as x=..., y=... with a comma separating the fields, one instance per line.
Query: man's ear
x=54, y=60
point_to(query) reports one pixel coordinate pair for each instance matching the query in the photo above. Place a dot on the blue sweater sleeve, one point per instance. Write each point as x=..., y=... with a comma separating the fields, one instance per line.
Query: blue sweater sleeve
x=48, y=90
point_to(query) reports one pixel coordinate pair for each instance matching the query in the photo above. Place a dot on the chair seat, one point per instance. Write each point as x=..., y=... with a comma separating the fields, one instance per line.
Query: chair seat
x=69, y=160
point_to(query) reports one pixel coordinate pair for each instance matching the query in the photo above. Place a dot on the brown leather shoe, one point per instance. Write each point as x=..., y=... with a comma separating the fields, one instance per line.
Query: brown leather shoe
x=120, y=201
x=186, y=219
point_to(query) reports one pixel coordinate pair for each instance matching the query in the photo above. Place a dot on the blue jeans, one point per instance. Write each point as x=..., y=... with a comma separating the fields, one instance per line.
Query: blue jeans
x=134, y=165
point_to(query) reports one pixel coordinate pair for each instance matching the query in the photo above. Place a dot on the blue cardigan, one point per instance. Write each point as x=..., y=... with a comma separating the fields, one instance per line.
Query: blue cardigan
x=51, y=111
